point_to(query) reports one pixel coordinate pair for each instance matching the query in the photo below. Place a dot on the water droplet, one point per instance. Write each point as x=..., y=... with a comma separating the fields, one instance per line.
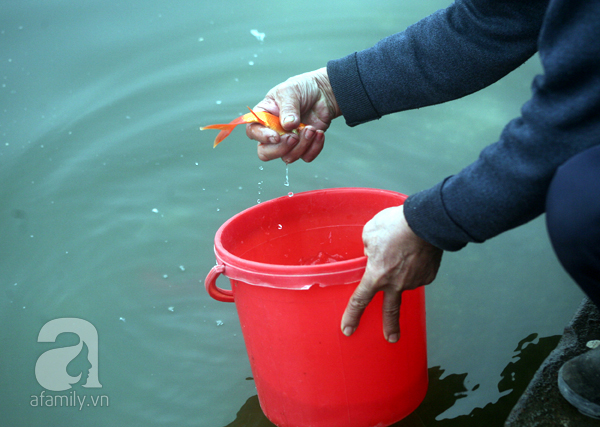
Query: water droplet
x=287, y=176
x=260, y=168
x=257, y=200
x=259, y=36
x=182, y=268
x=219, y=323
x=155, y=210
x=171, y=308
x=279, y=226
x=165, y=276
x=250, y=62
x=122, y=319
x=290, y=194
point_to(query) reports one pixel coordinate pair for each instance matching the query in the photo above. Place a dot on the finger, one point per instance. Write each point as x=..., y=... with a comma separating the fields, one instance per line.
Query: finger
x=262, y=134
x=392, y=299
x=315, y=148
x=307, y=136
x=275, y=151
x=359, y=300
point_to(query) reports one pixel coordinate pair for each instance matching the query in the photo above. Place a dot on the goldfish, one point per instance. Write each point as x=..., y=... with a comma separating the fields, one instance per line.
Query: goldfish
x=266, y=119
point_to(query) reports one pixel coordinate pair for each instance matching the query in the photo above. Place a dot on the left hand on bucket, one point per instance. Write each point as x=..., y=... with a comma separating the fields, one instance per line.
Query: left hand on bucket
x=398, y=260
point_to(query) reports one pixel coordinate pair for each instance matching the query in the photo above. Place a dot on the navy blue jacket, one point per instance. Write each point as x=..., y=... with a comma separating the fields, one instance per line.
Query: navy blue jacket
x=459, y=50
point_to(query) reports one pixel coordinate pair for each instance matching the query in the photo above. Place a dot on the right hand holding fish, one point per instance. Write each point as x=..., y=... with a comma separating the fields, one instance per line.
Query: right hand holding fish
x=307, y=98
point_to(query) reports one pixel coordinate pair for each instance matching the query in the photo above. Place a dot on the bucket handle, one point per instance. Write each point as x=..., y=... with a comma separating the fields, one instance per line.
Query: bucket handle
x=213, y=290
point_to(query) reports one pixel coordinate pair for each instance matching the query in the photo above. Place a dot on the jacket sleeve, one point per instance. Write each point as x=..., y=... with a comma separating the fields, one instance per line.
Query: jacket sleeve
x=450, y=54
x=507, y=185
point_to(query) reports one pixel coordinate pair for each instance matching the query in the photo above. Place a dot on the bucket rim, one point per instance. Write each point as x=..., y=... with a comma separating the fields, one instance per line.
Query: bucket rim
x=348, y=271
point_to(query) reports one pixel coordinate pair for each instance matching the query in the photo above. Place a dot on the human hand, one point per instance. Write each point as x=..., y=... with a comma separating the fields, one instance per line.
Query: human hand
x=306, y=98
x=398, y=260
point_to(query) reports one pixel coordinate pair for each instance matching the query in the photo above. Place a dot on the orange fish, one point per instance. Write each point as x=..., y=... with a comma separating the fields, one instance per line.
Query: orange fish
x=262, y=117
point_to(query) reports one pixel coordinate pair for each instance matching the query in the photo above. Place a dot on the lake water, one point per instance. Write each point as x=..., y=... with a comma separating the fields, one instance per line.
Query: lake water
x=110, y=198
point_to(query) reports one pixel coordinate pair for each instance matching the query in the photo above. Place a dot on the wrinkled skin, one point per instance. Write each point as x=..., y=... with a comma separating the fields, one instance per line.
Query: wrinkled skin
x=307, y=98
x=398, y=260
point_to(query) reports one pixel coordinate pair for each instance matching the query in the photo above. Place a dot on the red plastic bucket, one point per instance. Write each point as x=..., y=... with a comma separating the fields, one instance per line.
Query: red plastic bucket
x=293, y=263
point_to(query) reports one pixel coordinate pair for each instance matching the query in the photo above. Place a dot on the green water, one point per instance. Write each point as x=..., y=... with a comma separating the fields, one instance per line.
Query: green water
x=110, y=197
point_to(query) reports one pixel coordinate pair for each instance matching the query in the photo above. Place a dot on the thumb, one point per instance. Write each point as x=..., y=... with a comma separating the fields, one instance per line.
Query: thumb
x=287, y=98
x=289, y=114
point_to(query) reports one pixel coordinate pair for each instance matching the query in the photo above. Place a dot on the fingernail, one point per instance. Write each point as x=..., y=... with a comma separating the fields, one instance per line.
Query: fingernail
x=309, y=133
x=272, y=140
x=393, y=338
x=348, y=330
x=289, y=118
x=292, y=141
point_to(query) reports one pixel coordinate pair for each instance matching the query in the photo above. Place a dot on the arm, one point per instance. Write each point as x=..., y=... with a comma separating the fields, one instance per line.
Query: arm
x=507, y=185
x=450, y=54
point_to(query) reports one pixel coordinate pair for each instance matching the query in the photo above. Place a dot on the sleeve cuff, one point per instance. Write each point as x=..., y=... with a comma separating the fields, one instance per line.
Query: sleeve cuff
x=349, y=91
x=427, y=217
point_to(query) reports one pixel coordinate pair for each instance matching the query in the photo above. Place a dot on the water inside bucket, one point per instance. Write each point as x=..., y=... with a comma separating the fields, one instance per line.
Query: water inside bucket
x=321, y=258
x=305, y=247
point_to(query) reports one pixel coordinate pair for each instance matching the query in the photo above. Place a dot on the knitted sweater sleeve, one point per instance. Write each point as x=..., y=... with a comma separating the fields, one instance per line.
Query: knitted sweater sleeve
x=459, y=50
x=450, y=54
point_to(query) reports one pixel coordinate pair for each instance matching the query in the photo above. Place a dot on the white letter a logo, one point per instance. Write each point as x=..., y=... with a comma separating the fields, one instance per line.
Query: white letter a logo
x=51, y=366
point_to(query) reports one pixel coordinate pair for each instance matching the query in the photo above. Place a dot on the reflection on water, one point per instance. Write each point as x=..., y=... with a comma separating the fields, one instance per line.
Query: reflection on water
x=446, y=389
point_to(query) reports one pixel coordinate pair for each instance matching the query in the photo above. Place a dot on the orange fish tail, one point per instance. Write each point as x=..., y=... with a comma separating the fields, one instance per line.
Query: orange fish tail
x=222, y=135
x=226, y=129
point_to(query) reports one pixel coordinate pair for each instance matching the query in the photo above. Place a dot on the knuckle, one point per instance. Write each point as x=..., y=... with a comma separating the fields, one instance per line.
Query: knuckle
x=391, y=311
x=358, y=304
